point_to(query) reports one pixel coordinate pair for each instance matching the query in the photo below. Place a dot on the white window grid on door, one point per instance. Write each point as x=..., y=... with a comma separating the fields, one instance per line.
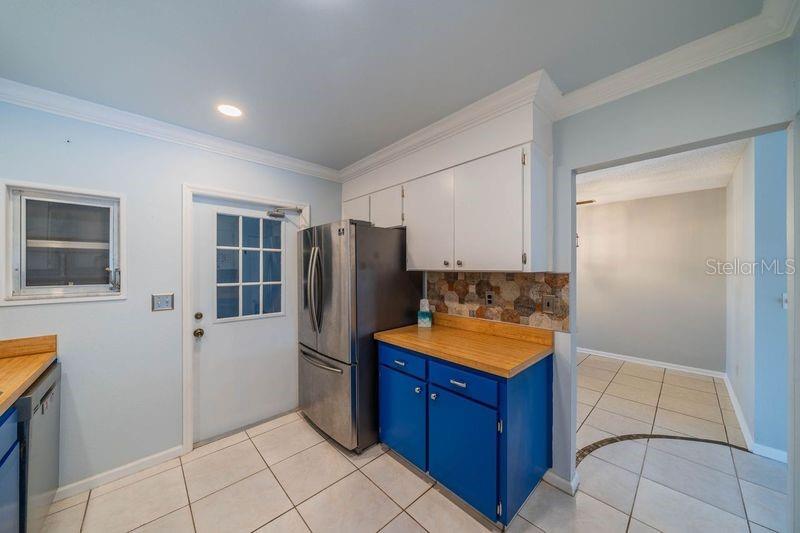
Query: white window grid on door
x=240, y=249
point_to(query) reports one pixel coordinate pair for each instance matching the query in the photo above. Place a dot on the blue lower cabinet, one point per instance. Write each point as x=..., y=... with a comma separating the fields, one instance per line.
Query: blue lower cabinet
x=9, y=491
x=462, y=448
x=403, y=414
x=485, y=438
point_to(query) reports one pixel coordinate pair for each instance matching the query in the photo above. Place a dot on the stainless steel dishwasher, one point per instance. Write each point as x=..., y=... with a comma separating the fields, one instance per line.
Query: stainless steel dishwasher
x=39, y=428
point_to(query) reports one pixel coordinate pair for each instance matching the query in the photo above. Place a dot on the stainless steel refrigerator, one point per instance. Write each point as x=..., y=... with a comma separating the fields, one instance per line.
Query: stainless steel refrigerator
x=353, y=283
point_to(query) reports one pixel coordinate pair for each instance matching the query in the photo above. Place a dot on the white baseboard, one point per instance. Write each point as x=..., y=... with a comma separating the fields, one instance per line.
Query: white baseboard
x=570, y=487
x=650, y=362
x=770, y=453
x=116, y=473
x=737, y=408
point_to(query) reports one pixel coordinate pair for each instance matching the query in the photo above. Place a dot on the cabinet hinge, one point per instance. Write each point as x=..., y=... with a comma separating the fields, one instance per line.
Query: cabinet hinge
x=499, y=426
x=402, y=192
x=524, y=258
x=499, y=508
x=524, y=157
x=402, y=217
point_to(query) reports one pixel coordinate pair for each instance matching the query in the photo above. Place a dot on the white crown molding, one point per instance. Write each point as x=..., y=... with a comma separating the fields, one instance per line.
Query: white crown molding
x=776, y=22
x=68, y=106
x=533, y=86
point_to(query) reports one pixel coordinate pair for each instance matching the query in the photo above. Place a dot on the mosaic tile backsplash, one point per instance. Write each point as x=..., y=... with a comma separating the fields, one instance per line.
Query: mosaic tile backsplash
x=517, y=297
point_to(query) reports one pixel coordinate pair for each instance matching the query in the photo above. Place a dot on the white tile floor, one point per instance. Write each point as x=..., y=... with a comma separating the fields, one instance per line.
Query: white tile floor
x=283, y=476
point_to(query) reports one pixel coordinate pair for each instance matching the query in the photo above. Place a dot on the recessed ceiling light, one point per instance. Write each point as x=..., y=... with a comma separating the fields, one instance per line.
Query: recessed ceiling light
x=229, y=110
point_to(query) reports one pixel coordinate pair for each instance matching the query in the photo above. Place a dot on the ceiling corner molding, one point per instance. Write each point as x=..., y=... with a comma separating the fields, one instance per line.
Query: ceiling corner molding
x=777, y=21
x=67, y=106
x=511, y=97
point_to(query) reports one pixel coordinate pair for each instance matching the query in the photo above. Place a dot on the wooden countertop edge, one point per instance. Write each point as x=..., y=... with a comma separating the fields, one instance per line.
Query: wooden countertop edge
x=8, y=397
x=538, y=352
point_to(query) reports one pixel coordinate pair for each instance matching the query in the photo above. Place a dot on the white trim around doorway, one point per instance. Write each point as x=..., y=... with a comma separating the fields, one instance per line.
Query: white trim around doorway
x=188, y=194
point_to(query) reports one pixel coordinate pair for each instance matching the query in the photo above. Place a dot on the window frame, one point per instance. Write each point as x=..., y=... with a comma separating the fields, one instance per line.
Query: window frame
x=240, y=248
x=16, y=293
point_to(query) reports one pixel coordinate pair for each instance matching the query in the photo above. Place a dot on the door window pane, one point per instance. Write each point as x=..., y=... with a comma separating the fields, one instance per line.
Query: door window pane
x=272, y=234
x=250, y=305
x=227, y=266
x=272, y=266
x=227, y=230
x=272, y=299
x=251, y=232
x=227, y=302
x=250, y=271
x=249, y=266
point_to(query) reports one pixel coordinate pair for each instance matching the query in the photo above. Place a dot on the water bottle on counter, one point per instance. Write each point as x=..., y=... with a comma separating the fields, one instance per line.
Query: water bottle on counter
x=424, y=316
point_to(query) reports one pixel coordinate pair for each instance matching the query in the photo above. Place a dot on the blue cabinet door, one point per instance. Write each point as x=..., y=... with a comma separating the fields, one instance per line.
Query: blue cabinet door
x=9, y=491
x=462, y=448
x=403, y=419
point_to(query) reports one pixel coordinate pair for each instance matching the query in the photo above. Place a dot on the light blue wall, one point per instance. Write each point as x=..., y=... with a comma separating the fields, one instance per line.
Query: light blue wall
x=771, y=340
x=122, y=363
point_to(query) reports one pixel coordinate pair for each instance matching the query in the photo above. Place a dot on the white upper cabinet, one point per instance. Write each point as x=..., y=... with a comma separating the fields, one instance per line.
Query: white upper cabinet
x=357, y=209
x=488, y=209
x=386, y=207
x=428, y=206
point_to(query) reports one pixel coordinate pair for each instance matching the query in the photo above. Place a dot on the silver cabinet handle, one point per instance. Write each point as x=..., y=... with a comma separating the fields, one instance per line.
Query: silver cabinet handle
x=417, y=389
x=398, y=362
x=458, y=383
x=446, y=263
x=459, y=263
x=434, y=396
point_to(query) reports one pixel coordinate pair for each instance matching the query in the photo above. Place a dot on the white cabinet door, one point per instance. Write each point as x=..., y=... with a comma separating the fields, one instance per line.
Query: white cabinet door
x=488, y=213
x=386, y=207
x=428, y=206
x=357, y=209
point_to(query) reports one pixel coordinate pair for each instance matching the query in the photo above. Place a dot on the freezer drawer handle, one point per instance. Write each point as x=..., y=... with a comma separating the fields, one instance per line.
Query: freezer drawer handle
x=319, y=364
x=398, y=362
x=457, y=383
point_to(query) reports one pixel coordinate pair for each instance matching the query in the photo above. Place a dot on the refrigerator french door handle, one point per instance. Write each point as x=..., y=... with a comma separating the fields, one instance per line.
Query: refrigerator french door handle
x=312, y=286
x=319, y=290
x=319, y=364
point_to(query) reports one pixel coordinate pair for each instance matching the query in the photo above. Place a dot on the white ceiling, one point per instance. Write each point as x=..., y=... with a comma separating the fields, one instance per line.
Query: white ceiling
x=694, y=170
x=331, y=81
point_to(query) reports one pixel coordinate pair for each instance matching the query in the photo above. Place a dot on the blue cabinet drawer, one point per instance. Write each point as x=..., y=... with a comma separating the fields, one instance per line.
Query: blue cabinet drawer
x=464, y=382
x=8, y=430
x=402, y=360
x=9, y=490
x=403, y=414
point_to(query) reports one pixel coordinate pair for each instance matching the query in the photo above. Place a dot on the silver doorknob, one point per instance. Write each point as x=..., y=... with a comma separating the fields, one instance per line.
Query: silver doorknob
x=417, y=389
x=434, y=396
x=199, y=332
x=446, y=263
x=459, y=263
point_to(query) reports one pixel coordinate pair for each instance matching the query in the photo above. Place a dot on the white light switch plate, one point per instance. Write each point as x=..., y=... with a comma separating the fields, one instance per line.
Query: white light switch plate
x=163, y=302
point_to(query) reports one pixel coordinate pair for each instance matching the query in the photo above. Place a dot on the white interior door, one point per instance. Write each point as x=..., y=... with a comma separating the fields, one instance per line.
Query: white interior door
x=488, y=213
x=428, y=208
x=244, y=292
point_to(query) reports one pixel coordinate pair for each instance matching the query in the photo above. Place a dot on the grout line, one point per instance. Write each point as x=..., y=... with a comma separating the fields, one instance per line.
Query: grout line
x=85, y=510
x=638, y=482
x=601, y=395
x=186, y=487
x=741, y=493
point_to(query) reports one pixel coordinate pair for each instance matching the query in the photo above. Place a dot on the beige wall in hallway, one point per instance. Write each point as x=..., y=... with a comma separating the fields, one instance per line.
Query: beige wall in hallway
x=642, y=285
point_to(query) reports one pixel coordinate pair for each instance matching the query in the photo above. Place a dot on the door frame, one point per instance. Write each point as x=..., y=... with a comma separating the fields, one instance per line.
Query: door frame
x=189, y=192
x=793, y=290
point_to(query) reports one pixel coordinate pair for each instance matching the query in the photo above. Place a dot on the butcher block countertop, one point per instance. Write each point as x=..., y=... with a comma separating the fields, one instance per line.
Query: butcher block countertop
x=498, y=348
x=21, y=362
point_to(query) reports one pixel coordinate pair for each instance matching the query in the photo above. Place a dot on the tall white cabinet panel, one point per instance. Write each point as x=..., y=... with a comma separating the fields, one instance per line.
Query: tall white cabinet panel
x=386, y=207
x=488, y=197
x=357, y=208
x=428, y=206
